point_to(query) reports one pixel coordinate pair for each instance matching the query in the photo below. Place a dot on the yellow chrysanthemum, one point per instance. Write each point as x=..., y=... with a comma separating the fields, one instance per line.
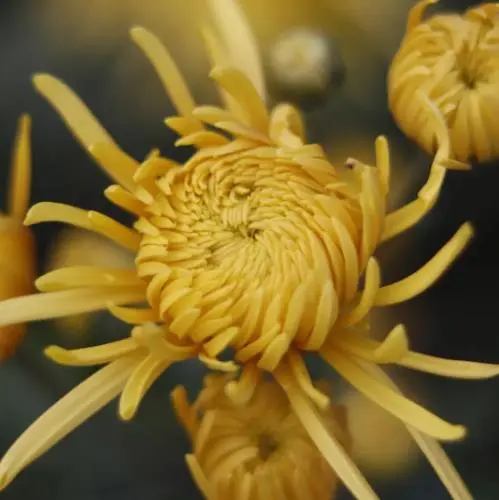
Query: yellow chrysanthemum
x=453, y=61
x=255, y=448
x=254, y=244
x=17, y=255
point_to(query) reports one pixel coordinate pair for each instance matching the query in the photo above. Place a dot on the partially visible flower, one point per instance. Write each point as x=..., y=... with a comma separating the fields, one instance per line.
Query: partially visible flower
x=76, y=247
x=453, y=60
x=254, y=246
x=256, y=448
x=17, y=245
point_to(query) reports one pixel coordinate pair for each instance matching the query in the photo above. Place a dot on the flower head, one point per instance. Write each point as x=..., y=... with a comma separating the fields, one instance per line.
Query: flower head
x=253, y=245
x=257, y=448
x=453, y=61
x=17, y=264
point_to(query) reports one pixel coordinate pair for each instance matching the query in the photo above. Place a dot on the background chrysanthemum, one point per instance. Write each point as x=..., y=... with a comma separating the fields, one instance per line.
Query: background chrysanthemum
x=256, y=449
x=453, y=60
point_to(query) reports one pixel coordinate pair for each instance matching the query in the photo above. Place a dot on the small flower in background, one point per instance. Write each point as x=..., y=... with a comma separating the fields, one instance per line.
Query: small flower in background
x=76, y=247
x=304, y=65
x=454, y=61
x=256, y=448
x=254, y=244
x=17, y=254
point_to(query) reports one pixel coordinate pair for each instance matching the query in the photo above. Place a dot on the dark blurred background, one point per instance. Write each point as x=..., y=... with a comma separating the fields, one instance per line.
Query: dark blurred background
x=86, y=43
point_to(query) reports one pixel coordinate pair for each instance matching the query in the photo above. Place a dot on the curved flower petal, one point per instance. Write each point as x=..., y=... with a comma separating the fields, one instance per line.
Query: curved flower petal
x=406, y=410
x=407, y=216
x=453, y=368
x=168, y=72
x=90, y=220
x=393, y=348
x=20, y=175
x=328, y=445
x=87, y=276
x=424, y=277
x=139, y=382
x=86, y=128
x=90, y=356
x=240, y=41
x=430, y=448
x=66, y=303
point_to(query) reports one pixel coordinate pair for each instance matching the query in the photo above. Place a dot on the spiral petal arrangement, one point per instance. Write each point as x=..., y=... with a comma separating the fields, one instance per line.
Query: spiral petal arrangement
x=453, y=61
x=255, y=246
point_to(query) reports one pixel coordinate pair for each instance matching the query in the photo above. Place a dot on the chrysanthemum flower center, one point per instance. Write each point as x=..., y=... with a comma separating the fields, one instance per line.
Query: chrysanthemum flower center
x=267, y=445
x=466, y=40
x=236, y=244
x=472, y=69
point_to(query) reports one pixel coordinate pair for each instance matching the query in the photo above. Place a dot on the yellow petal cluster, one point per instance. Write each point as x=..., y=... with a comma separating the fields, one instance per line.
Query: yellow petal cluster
x=254, y=247
x=453, y=61
x=255, y=448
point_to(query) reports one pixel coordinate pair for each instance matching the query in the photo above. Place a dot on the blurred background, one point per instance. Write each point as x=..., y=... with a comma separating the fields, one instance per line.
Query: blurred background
x=86, y=43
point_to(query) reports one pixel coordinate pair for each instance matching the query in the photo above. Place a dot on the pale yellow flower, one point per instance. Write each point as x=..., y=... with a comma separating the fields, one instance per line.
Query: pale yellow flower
x=454, y=61
x=253, y=244
x=255, y=448
x=17, y=255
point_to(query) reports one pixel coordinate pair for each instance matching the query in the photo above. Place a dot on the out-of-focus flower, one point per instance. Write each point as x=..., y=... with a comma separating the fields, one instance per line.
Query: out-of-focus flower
x=256, y=449
x=453, y=61
x=17, y=246
x=305, y=64
x=381, y=445
x=75, y=247
x=253, y=244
